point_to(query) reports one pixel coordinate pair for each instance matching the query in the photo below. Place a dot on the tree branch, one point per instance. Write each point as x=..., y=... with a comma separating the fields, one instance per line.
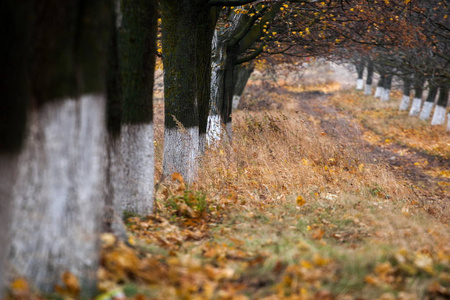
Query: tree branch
x=229, y=2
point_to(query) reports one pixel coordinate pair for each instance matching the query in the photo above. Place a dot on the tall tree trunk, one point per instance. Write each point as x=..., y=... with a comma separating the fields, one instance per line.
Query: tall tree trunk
x=137, y=54
x=404, y=104
x=207, y=20
x=439, y=111
x=418, y=91
x=179, y=42
x=427, y=107
x=369, y=80
x=61, y=173
x=16, y=24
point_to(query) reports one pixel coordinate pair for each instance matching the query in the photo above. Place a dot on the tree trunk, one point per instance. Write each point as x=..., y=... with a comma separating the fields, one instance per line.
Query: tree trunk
x=404, y=104
x=417, y=100
x=427, y=107
x=221, y=39
x=61, y=172
x=369, y=80
x=205, y=31
x=439, y=111
x=387, y=84
x=137, y=54
x=241, y=76
x=16, y=24
x=380, y=86
x=360, y=71
x=179, y=42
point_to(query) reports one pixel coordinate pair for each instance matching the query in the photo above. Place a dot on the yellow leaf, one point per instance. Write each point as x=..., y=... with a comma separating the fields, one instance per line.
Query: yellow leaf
x=177, y=176
x=300, y=201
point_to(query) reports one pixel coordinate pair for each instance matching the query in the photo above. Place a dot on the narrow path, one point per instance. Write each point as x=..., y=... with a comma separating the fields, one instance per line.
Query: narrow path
x=434, y=197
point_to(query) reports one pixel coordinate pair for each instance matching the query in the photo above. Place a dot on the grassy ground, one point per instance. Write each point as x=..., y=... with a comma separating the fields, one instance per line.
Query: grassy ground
x=290, y=210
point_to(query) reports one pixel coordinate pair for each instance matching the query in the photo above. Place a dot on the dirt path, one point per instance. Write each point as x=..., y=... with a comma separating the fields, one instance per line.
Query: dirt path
x=345, y=129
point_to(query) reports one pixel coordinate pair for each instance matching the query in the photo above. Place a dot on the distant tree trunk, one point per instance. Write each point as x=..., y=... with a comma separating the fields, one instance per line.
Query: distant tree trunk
x=241, y=75
x=439, y=111
x=369, y=80
x=205, y=31
x=179, y=42
x=16, y=24
x=221, y=39
x=387, y=84
x=404, y=104
x=418, y=91
x=427, y=107
x=56, y=218
x=360, y=65
x=380, y=86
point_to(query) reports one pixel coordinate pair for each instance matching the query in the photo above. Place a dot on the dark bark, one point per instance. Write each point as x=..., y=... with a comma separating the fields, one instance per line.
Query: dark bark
x=443, y=96
x=432, y=92
x=137, y=54
x=418, y=86
x=241, y=75
x=179, y=42
x=360, y=65
x=15, y=24
x=370, y=69
x=406, y=86
x=387, y=84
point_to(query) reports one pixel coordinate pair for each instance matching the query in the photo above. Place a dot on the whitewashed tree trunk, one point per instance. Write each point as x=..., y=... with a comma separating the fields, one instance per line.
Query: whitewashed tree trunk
x=385, y=95
x=8, y=169
x=368, y=89
x=425, y=113
x=448, y=122
x=415, y=107
x=58, y=193
x=183, y=157
x=359, y=84
x=438, y=115
x=137, y=152
x=379, y=91
x=404, y=104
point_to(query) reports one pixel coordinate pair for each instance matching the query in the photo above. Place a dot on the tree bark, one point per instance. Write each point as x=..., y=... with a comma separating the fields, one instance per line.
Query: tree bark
x=427, y=107
x=418, y=91
x=370, y=69
x=387, y=84
x=16, y=24
x=360, y=71
x=61, y=172
x=404, y=104
x=242, y=74
x=179, y=42
x=439, y=111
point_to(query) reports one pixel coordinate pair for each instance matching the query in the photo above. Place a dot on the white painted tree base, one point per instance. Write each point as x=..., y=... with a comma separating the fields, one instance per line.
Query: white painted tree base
x=236, y=99
x=378, y=92
x=404, y=104
x=214, y=130
x=359, y=84
x=385, y=95
x=368, y=89
x=138, y=156
x=58, y=193
x=8, y=169
x=181, y=152
x=448, y=122
x=425, y=113
x=415, y=107
x=438, y=116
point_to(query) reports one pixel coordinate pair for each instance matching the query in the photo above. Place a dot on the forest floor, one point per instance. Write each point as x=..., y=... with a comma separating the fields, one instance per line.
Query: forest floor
x=324, y=193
